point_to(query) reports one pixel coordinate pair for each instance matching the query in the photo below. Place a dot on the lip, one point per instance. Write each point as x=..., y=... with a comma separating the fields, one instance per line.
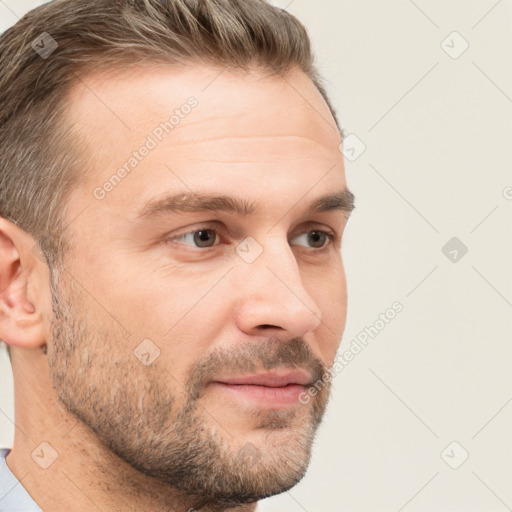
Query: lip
x=270, y=379
x=267, y=390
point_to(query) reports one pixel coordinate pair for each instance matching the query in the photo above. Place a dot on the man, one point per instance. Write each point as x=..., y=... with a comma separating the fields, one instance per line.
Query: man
x=172, y=289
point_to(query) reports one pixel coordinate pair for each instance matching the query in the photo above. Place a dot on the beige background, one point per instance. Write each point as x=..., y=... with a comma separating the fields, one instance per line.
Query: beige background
x=437, y=131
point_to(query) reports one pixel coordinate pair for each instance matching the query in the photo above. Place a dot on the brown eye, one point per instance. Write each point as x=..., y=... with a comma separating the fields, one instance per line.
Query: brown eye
x=204, y=237
x=201, y=238
x=316, y=239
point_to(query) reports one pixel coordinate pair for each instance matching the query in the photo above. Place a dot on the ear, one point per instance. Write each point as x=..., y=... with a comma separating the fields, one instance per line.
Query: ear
x=25, y=298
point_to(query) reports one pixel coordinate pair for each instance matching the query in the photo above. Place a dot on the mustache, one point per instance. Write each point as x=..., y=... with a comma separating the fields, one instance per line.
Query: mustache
x=252, y=357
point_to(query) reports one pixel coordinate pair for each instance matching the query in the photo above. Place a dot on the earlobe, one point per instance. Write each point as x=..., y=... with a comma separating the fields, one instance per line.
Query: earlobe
x=22, y=314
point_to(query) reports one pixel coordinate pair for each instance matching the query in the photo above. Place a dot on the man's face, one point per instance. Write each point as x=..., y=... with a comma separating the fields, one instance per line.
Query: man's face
x=157, y=307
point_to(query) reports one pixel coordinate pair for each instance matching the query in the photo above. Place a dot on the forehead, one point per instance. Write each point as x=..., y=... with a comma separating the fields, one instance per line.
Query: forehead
x=245, y=127
x=124, y=104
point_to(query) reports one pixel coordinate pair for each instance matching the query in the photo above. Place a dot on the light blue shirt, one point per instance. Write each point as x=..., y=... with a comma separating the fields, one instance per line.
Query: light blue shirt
x=13, y=496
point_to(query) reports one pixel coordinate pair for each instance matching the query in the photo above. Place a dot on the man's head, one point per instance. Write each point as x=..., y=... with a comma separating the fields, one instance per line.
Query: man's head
x=178, y=164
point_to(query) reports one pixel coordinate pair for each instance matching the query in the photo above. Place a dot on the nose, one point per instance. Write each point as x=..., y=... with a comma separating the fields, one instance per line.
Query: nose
x=271, y=294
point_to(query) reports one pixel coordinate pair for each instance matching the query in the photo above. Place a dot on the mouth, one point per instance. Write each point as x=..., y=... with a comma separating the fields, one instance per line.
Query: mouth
x=269, y=390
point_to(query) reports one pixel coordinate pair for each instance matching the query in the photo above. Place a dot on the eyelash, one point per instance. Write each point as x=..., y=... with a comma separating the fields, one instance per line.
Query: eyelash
x=331, y=237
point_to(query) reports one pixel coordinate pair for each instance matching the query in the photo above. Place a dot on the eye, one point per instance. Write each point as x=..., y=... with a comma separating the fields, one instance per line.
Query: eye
x=206, y=236
x=318, y=238
x=202, y=238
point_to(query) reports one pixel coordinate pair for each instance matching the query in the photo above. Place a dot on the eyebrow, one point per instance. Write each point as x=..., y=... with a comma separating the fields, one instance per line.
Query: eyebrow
x=342, y=200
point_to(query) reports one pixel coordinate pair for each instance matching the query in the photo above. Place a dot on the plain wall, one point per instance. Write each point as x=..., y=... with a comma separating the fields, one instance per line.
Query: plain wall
x=434, y=384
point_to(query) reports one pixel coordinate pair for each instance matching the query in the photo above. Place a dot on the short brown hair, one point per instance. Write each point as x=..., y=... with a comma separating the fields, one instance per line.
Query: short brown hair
x=38, y=166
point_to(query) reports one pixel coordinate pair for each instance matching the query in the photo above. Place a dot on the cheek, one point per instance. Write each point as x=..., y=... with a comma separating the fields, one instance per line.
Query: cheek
x=330, y=294
x=147, y=303
x=182, y=314
x=132, y=300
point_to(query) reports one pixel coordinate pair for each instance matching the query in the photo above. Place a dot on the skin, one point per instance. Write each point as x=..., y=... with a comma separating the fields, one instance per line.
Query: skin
x=119, y=427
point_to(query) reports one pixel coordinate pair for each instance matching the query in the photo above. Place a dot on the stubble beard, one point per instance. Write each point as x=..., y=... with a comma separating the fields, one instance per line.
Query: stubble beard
x=132, y=410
